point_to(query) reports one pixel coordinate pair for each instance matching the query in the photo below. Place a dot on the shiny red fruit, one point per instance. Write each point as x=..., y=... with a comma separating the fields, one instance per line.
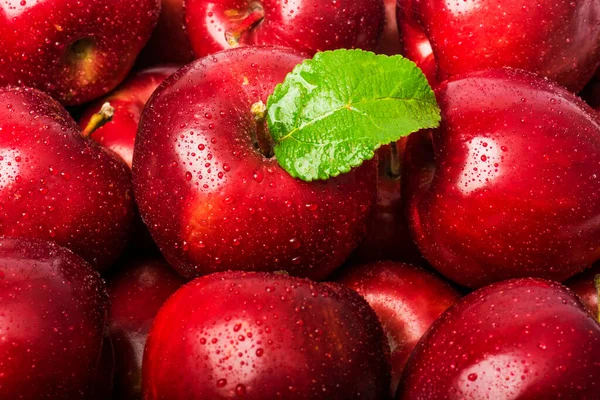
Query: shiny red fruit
x=407, y=300
x=213, y=202
x=52, y=317
x=518, y=339
x=57, y=186
x=136, y=292
x=512, y=189
x=128, y=102
x=305, y=25
x=169, y=42
x=387, y=236
x=585, y=286
x=265, y=336
x=415, y=44
x=556, y=39
x=75, y=51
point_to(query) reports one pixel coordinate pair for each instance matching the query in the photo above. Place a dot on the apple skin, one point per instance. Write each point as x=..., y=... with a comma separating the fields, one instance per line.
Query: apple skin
x=128, y=101
x=388, y=236
x=219, y=203
x=119, y=134
x=407, y=300
x=304, y=25
x=414, y=42
x=74, y=52
x=169, y=43
x=584, y=286
x=504, y=198
x=55, y=185
x=268, y=336
x=555, y=39
x=519, y=339
x=53, y=309
x=137, y=291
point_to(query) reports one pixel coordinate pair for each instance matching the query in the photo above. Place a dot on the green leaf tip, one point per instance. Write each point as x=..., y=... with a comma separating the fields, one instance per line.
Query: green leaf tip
x=332, y=112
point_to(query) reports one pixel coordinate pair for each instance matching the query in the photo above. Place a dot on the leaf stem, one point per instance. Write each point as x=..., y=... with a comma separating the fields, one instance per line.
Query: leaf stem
x=394, y=167
x=103, y=116
x=263, y=138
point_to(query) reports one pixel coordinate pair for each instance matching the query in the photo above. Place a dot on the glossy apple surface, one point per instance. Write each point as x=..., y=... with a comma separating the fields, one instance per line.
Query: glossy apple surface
x=75, y=51
x=57, y=186
x=137, y=291
x=169, y=42
x=585, y=287
x=518, y=339
x=407, y=300
x=511, y=189
x=213, y=202
x=387, y=236
x=556, y=39
x=305, y=25
x=268, y=336
x=52, y=317
x=128, y=101
x=414, y=42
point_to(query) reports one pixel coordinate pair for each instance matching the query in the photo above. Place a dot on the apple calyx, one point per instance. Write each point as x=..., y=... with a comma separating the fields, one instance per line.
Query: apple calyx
x=263, y=140
x=80, y=58
x=246, y=22
x=102, y=117
x=597, y=284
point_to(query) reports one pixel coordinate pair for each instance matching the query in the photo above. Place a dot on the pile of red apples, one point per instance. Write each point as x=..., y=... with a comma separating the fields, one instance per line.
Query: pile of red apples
x=151, y=249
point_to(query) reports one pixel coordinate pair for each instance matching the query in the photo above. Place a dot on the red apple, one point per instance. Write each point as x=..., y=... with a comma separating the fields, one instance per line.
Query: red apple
x=55, y=185
x=266, y=336
x=556, y=39
x=390, y=40
x=305, y=25
x=514, y=189
x=75, y=51
x=586, y=287
x=128, y=102
x=415, y=44
x=52, y=317
x=387, y=236
x=136, y=292
x=213, y=201
x=407, y=300
x=169, y=43
x=519, y=339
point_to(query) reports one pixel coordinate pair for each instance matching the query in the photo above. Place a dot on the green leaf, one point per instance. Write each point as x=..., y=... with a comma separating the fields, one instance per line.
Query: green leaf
x=332, y=112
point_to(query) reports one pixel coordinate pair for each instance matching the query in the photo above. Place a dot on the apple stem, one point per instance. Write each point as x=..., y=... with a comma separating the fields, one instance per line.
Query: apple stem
x=597, y=284
x=103, y=116
x=255, y=16
x=394, y=168
x=263, y=139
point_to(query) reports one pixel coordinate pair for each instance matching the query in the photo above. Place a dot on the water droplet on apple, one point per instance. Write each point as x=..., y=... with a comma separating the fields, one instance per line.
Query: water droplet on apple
x=240, y=390
x=221, y=383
